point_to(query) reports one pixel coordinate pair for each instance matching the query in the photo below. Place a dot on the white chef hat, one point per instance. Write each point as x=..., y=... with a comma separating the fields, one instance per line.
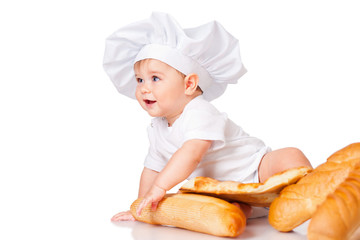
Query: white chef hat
x=208, y=50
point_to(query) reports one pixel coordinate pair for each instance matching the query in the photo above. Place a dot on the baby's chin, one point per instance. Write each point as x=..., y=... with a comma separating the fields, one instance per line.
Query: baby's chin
x=152, y=113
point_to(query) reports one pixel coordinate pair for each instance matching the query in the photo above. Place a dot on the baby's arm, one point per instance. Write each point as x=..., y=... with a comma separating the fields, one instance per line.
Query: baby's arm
x=146, y=181
x=180, y=166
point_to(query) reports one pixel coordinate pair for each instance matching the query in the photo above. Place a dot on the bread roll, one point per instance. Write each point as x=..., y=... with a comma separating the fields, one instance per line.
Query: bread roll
x=339, y=216
x=195, y=212
x=298, y=202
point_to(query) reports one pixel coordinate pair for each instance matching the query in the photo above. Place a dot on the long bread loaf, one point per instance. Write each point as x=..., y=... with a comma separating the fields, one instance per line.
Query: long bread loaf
x=298, y=202
x=339, y=216
x=195, y=212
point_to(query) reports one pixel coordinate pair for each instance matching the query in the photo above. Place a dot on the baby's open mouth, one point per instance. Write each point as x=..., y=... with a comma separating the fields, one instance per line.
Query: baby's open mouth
x=149, y=101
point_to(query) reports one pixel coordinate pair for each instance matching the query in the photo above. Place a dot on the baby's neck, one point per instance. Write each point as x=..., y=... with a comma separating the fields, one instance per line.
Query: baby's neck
x=171, y=120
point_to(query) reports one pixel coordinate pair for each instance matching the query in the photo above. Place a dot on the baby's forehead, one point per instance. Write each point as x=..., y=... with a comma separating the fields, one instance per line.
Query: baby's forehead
x=153, y=64
x=150, y=62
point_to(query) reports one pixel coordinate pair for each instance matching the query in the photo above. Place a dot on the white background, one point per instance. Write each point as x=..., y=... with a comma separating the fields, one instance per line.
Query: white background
x=72, y=148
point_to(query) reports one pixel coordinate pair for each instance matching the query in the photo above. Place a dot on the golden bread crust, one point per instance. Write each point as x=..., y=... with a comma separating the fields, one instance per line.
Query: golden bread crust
x=297, y=203
x=195, y=212
x=255, y=194
x=338, y=216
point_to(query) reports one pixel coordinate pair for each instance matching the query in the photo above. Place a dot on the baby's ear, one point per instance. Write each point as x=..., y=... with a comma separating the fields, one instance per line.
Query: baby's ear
x=191, y=83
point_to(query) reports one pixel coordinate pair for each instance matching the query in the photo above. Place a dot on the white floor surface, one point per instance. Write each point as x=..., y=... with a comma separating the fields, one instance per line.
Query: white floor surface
x=256, y=229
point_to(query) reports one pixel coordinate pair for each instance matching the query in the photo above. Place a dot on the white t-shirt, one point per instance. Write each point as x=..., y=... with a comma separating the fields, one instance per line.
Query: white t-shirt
x=233, y=155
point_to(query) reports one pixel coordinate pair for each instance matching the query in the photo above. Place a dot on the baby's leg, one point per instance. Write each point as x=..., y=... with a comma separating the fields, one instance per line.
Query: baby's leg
x=281, y=160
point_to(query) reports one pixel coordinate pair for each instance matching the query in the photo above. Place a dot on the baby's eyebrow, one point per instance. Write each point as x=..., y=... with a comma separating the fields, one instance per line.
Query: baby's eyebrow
x=150, y=73
x=156, y=73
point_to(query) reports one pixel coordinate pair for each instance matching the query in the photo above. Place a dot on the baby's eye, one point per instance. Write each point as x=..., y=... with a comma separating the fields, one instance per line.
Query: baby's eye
x=139, y=80
x=155, y=79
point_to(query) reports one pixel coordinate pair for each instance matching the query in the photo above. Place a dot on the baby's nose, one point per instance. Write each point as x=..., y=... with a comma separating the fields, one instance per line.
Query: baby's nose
x=145, y=88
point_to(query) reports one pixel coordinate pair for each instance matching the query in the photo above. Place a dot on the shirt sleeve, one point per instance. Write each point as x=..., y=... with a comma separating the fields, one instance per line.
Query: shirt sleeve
x=205, y=125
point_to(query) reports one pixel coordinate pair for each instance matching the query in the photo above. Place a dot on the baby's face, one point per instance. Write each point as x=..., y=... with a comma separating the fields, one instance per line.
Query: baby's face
x=160, y=89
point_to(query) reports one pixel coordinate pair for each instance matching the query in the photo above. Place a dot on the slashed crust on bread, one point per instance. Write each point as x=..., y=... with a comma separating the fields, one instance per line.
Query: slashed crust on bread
x=338, y=216
x=298, y=202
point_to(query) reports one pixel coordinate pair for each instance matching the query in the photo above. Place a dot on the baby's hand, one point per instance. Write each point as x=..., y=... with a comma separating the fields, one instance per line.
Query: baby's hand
x=123, y=216
x=153, y=196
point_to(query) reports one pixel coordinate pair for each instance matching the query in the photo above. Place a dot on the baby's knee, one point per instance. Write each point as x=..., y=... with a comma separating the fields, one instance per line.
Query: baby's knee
x=293, y=151
x=281, y=160
x=296, y=156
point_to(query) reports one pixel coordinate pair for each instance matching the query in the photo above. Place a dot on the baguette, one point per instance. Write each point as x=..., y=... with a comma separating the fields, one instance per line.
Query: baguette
x=339, y=216
x=195, y=212
x=297, y=203
x=254, y=194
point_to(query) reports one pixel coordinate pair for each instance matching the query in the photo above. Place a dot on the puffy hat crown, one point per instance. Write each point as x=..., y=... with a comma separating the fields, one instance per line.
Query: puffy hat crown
x=208, y=50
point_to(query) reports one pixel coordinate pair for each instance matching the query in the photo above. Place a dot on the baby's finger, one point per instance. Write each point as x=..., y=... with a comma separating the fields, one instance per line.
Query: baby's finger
x=143, y=204
x=129, y=218
x=154, y=206
x=115, y=217
x=123, y=216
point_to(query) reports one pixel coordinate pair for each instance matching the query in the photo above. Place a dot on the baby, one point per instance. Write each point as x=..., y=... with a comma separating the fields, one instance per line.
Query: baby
x=174, y=73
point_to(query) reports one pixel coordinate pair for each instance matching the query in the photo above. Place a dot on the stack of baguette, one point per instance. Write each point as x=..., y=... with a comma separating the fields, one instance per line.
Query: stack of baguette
x=330, y=195
x=195, y=212
x=210, y=214
x=339, y=216
x=297, y=203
